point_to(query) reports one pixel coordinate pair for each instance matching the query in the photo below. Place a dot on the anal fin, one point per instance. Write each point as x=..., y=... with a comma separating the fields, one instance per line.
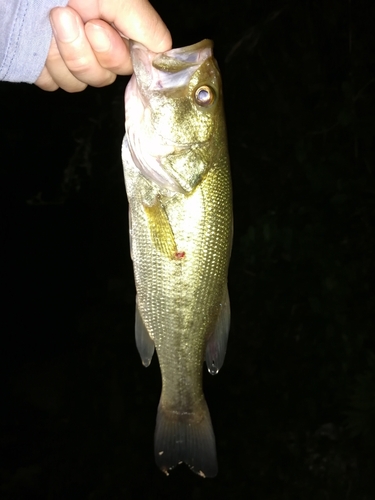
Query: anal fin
x=144, y=342
x=217, y=343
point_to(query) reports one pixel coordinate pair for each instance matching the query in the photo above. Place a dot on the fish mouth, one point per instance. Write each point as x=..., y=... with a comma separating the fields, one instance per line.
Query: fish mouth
x=170, y=69
x=154, y=72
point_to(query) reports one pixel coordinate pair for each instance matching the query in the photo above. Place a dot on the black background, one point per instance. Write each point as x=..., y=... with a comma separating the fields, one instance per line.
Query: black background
x=294, y=406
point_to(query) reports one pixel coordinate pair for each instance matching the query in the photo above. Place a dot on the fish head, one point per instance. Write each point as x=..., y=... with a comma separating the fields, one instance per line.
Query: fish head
x=174, y=114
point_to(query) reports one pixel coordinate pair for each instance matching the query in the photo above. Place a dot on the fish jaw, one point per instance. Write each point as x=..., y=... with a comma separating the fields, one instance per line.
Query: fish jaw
x=145, y=154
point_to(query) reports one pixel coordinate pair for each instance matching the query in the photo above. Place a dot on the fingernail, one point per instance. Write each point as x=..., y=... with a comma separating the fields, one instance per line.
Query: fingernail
x=99, y=39
x=64, y=25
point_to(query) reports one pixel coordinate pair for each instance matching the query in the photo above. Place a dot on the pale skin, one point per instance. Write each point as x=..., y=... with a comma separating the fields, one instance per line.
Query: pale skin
x=87, y=48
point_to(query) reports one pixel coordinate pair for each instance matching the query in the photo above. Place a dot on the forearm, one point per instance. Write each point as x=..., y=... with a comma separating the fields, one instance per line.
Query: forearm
x=25, y=38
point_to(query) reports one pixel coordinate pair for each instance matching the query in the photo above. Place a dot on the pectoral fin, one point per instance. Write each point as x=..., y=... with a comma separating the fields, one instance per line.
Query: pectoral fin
x=217, y=343
x=144, y=342
x=160, y=229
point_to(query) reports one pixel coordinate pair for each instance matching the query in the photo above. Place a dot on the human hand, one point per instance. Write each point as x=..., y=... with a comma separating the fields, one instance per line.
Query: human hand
x=86, y=49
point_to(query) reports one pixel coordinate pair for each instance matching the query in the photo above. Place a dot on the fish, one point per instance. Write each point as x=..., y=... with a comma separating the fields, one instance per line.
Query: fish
x=178, y=184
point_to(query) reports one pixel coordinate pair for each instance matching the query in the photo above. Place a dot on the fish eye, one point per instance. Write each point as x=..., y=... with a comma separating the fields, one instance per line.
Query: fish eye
x=204, y=96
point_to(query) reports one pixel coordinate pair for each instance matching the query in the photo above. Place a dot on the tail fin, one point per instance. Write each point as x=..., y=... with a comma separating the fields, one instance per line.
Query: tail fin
x=186, y=437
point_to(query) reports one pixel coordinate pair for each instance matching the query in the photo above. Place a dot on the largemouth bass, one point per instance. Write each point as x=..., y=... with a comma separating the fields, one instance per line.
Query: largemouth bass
x=178, y=184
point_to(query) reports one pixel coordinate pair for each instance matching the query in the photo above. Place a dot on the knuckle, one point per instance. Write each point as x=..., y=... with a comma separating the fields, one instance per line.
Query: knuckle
x=79, y=65
x=75, y=87
x=110, y=78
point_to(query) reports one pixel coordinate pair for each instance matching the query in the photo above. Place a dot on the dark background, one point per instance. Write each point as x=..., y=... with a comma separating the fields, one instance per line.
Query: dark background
x=294, y=406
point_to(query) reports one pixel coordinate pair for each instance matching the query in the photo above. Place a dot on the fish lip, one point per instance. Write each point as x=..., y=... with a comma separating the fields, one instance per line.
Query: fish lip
x=194, y=48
